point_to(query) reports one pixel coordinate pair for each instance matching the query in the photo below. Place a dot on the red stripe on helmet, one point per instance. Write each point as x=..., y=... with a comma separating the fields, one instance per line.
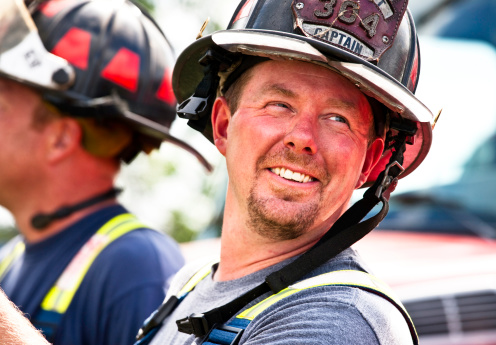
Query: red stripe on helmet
x=51, y=8
x=74, y=46
x=165, y=92
x=123, y=69
x=414, y=74
x=245, y=11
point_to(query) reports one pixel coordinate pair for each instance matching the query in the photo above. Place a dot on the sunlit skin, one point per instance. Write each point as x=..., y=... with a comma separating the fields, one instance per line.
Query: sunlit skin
x=44, y=168
x=297, y=116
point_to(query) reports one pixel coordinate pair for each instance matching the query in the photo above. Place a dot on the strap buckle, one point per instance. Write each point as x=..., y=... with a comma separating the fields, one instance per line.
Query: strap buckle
x=199, y=105
x=389, y=178
x=224, y=334
x=194, y=107
x=195, y=324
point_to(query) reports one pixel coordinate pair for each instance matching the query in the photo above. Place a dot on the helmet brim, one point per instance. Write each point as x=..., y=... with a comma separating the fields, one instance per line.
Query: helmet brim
x=154, y=129
x=370, y=79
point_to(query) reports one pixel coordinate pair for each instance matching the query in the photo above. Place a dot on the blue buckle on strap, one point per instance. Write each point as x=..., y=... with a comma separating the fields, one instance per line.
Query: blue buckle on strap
x=224, y=335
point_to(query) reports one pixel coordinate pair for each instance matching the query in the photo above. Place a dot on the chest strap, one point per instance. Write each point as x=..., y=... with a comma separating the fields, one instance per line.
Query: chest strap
x=60, y=296
x=230, y=333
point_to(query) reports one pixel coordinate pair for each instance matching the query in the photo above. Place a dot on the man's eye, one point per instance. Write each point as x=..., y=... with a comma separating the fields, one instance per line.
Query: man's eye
x=338, y=118
x=282, y=105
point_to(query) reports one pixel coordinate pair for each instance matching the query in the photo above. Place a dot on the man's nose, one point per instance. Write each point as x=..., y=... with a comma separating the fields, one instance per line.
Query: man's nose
x=301, y=136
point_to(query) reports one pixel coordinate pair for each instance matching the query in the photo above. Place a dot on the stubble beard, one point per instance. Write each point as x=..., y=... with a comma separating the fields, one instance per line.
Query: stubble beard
x=275, y=222
x=274, y=225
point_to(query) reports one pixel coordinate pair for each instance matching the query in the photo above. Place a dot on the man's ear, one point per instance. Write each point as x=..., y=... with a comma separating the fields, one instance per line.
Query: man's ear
x=372, y=157
x=63, y=137
x=221, y=115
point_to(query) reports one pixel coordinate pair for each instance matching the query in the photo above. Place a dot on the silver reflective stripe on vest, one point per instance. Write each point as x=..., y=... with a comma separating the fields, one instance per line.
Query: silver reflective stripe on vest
x=61, y=294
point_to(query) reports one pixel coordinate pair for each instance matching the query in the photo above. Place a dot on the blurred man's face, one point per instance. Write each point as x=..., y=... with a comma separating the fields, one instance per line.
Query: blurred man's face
x=20, y=140
x=296, y=147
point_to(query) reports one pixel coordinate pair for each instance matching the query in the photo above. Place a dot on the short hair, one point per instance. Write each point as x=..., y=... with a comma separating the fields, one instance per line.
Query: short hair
x=233, y=93
x=43, y=114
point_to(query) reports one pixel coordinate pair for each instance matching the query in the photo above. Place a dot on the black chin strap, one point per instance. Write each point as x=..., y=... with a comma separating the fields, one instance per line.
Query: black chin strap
x=41, y=220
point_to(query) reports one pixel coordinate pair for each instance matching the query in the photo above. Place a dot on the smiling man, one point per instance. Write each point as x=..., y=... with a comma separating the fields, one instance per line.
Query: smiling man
x=302, y=121
x=301, y=135
x=84, y=87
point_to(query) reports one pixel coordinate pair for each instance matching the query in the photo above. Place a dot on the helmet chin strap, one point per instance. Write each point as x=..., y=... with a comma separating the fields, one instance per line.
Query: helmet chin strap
x=41, y=220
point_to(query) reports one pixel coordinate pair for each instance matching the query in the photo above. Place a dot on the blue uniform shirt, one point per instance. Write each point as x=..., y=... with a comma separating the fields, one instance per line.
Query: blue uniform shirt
x=124, y=285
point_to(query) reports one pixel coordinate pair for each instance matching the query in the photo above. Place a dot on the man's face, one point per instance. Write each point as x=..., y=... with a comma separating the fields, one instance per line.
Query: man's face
x=20, y=140
x=296, y=147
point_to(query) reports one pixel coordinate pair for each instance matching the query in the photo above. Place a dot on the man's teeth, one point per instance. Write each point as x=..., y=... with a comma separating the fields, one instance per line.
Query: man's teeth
x=289, y=175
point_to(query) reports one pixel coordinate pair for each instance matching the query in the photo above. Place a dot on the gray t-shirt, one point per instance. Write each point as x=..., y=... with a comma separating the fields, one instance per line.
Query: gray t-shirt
x=337, y=315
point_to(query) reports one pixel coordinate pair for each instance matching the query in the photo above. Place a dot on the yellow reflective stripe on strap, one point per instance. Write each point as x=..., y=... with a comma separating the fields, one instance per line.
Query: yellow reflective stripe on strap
x=345, y=277
x=61, y=294
x=11, y=257
x=196, y=278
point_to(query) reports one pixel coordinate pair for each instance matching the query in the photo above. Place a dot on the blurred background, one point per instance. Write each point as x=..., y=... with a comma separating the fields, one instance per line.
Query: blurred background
x=437, y=245
x=170, y=190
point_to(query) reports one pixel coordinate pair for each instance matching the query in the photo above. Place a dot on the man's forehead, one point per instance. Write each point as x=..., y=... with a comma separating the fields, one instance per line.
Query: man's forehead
x=287, y=90
x=270, y=76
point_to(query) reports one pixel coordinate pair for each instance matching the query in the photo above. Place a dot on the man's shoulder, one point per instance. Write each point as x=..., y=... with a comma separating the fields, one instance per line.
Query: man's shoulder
x=338, y=314
x=142, y=242
x=144, y=249
x=142, y=254
x=188, y=271
x=329, y=304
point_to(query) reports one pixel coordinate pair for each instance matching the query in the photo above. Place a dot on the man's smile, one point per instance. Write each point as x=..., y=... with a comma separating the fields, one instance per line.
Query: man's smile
x=291, y=175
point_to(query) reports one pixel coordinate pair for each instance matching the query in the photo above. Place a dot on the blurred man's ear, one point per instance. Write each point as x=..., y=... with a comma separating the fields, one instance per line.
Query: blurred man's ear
x=63, y=137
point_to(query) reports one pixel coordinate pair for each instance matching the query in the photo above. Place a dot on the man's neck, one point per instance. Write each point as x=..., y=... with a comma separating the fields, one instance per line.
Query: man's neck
x=243, y=251
x=24, y=216
x=240, y=259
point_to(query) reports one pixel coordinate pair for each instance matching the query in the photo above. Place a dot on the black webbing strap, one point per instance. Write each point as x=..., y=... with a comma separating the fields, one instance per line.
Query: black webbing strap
x=339, y=238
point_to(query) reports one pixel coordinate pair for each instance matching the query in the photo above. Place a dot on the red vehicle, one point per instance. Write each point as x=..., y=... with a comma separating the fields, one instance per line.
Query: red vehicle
x=446, y=282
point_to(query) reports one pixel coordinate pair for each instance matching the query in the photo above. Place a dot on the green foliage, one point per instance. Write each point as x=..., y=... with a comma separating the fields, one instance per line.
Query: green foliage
x=6, y=233
x=180, y=231
x=147, y=4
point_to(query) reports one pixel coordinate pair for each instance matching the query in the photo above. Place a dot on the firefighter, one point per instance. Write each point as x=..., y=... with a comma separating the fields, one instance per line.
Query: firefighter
x=308, y=100
x=84, y=86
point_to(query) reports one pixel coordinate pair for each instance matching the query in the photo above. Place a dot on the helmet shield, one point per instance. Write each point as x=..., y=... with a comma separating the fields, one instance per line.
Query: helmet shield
x=22, y=54
x=372, y=43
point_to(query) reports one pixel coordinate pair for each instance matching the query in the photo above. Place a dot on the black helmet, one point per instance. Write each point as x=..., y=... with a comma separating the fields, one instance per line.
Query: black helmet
x=372, y=43
x=115, y=65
